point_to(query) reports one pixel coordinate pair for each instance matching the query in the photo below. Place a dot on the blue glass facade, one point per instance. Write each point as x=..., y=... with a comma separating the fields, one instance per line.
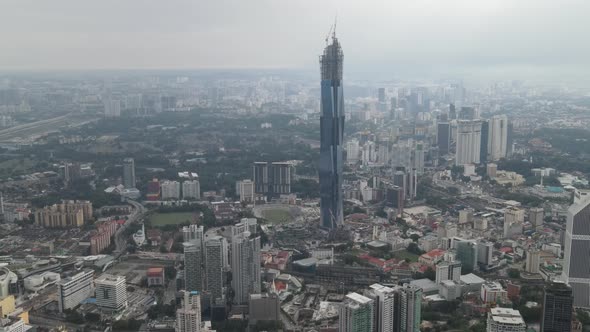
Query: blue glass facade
x=331, y=132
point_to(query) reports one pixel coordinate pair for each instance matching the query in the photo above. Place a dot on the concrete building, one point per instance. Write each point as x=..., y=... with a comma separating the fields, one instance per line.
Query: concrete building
x=505, y=320
x=111, y=292
x=468, y=142
x=170, y=190
x=450, y=290
x=112, y=108
x=576, y=268
x=484, y=253
x=193, y=233
x=191, y=189
x=129, y=173
x=498, y=137
x=513, y=221
x=533, y=261
x=492, y=292
x=491, y=170
x=71, y=291
x=386, y=299
x=193, y=266
x=272, y=178
x=352, y=151
x=465, y=216
x=245, y=264
x=356, y=314
x=443, y=138
x=536, y=217
x=216, y=253
x=155, y=276
x=332, y=134
x=411, y=308
x=448, y=271
x=188, y=317
x=13, y=325
x=558, y=307
x=264, y=307
x=66, y=214
x=245, y=190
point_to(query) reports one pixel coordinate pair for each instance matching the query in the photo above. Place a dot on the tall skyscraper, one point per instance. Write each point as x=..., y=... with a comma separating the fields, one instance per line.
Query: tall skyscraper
x=576, y=270
x=468, y=142
x=129, y=173
x=444, y=137
x=245, y=264
x=466, y=254
x=411, y=308
x=498, y=137
x=483, y=146
x=188, y=317
x=557, y=308
x=448, y=271
x=331, y=135
x=385, y=299
x=215, y=251
x=193, y=266
x=356, y=314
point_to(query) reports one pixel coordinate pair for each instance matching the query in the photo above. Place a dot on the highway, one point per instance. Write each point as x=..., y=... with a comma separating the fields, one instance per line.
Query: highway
x=120, y=239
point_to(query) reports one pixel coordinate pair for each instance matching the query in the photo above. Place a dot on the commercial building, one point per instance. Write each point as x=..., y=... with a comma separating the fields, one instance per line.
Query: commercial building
x=485, y=253
x=450, y=290
x=66, y=214
x=245, y=190
x=558, y=303
x=444, y=137
x=468, y=142
x=532, y=261
x=188, y=317
x=448, y=271
x=505, y=320
x=492, y=292
x=245, y=263
x=71, y=291
x=513, y=221
x=155, y=276
x=129, y=173
x=170, y=190
x=536, y=217
x=356, y=314
x=216, y=253
x=191, y=189
x=331, y=136
x=111, y=292
x=466, y=253
x=264, y=307
x=576, y=269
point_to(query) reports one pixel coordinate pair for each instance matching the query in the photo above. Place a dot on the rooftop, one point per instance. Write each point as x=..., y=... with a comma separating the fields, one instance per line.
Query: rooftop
x=358, y=298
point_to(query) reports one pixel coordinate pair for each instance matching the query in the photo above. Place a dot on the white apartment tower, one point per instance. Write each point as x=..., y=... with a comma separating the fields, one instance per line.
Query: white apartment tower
x=170, y=190
x=245, y=263
x=188, y=318
x=356, y=314
x=498, y=137
x=191, y=189
x=468, y=142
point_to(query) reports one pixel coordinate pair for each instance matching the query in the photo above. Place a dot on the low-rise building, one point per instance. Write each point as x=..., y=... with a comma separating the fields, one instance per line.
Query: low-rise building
x=155, y=276
x=505, y=320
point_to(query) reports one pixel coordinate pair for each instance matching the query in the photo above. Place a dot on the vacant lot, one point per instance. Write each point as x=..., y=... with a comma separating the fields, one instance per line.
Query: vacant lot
x=173, y=218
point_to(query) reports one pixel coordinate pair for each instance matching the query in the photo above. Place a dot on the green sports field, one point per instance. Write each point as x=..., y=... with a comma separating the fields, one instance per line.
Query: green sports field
x=172, y=218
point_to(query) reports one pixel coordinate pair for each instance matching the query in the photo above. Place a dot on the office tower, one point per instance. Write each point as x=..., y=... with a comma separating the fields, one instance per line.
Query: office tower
x=468, y=113
x=448, y=271
x=215, y=257
x=576, y=270
x=381, y=95
x=510, y=139
x=191, y=189
x=385, y=299
x=467, y=254
x=513, y=221
x=484, y=253
x=557, y=308
x=331, y=135
x=193, y=266
x=264, y=308
x=245, y=190
x=443, y=137
x=245, y=264
x=170, y=190
x=533, y=257
x=111, y=292
x=129, y=173
x=352, y=151
x=498, y=137
x=483, y=147
x=188, y=317
x=536, y=217
x=468, y=142
x=411, y=309
x=356, y=314
x=272, y=179
x=452, y=112
x=504, y=320
x=112, y=108
x=71, y=291
x=193, y=233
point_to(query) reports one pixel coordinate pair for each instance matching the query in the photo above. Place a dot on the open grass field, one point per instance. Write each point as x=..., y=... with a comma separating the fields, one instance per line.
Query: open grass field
x=403, y=254
x=277, y=216
x=173, y=218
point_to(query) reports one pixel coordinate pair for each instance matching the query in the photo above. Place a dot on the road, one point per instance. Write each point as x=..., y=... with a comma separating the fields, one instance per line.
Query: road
x=120, y=239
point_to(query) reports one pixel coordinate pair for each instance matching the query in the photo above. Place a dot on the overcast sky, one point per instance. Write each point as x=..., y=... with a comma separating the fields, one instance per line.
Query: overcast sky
x=394, y=35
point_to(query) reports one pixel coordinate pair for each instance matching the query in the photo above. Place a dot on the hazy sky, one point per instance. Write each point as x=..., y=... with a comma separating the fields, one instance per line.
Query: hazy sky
x=395, y=35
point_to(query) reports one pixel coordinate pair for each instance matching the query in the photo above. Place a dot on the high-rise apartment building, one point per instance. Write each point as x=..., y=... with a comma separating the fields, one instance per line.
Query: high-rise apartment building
x=331, y=136
x=483, y=146
x=498, y=137
x=193, y=266
x=71, y=291
x=352, y=151
x=188, y=317
x=385, y=312
x=576, y=269
x=245, y=263
x=443, y=137
x=272, y=179
x=557, y=308
x=245, y=190
x=411, y=308
x=193, y=233
x=111, y=292
x=537, y=216
x=112, y=108
x=356, y=314
x=129, y=173
x=191, y=189
x=468, y=142
x=66, y=214
x=170, y=190
x=533, y=260
x=513, y=221
x=215, y=263
x=484, y=252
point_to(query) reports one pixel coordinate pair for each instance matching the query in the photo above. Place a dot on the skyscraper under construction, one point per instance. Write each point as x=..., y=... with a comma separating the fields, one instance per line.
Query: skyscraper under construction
x=331, y=131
